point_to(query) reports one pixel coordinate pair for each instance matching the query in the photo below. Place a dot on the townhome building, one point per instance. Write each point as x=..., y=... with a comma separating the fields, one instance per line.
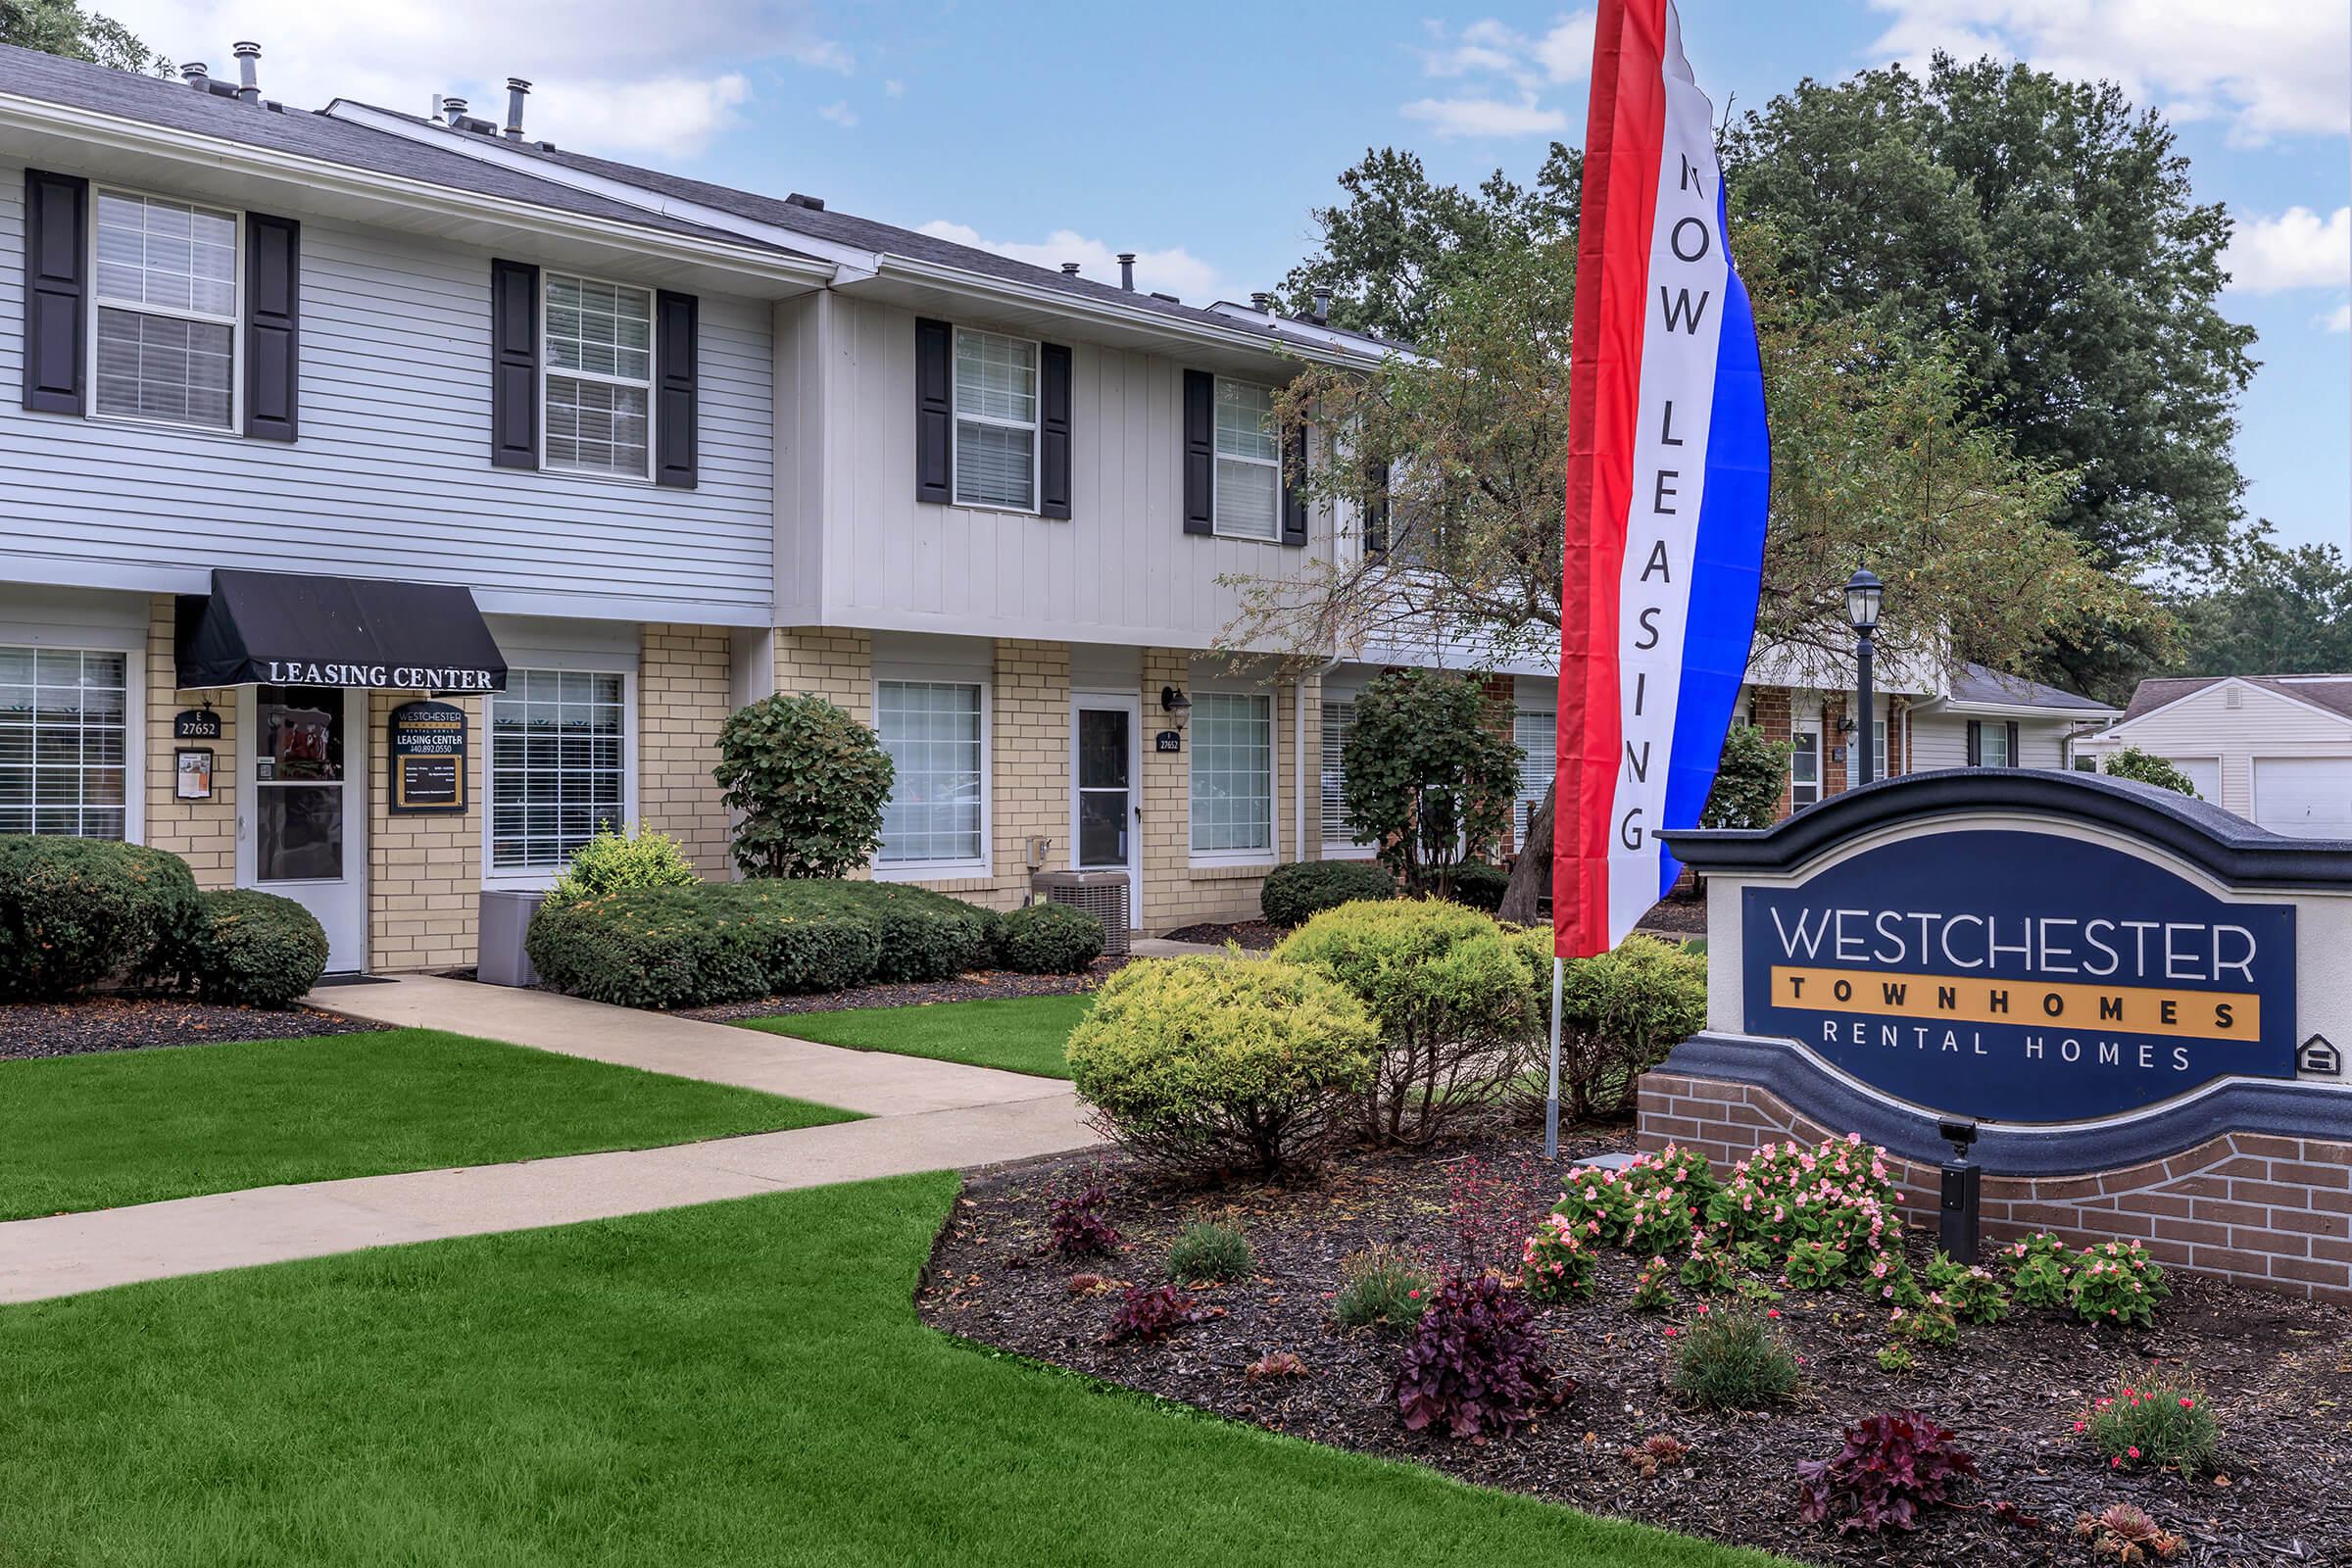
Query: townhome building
x=394, y=500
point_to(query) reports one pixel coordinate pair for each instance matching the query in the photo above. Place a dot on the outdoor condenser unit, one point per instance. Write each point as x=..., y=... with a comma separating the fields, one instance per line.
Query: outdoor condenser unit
x=1101, y=893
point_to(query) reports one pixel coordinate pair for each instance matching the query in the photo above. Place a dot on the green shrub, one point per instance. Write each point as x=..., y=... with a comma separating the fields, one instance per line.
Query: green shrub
x=2115, y=1282
x=1209, y=1064
x=1296, y=893
x=2150, y=768
x=1620, y=1015
x=2156, y=1418
x=614, y=863
x=807, y=783
x=1734, y=1359
x=1556, y=1263
x=923, y=935
x=1427, y=773
x=1049, y=939
x=77, y=912
x=253, y=950
x=1384, y=1286
x=1481, y=886
x=1209, y=1252
x=1454, y=998
x=1750, y=772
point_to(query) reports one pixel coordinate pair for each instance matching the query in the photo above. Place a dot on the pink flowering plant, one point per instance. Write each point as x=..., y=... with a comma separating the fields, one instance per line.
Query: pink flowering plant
x=1973, y=1293
x=1708, y=1266
x=1890, y=1278
x=1932, y=1323
x=1836, y=1195
x=1653, y=1290
x=2115, y=1282
x=1596, y=1202
x=1814, y=1265
x=2040, y=1268
x=1556, y=1265
x=2158, y=1419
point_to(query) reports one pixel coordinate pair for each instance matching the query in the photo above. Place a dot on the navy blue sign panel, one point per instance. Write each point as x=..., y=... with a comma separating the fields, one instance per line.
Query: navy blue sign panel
x=2015, y=976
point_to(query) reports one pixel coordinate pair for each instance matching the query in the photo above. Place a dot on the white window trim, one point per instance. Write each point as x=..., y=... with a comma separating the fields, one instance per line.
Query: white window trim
x=539, y=878
x=1218, y=456
x=653, y=376
x=1271, y=854
x=1036, y=428
x=235, y=320
x=1336, y=848
x=133, y=646
x=946, y=870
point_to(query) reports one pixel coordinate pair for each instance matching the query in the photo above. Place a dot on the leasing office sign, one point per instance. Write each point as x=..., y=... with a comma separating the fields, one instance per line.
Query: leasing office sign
x=2020, y=976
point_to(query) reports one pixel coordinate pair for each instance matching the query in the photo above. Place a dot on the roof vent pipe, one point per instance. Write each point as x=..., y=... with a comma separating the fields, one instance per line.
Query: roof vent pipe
x=453, y=110
x=1069, y=269
x=1127, y=271
x=1262, y=302
x=249, y=57
x=1322, y=306
x=195, y=76
x=517, y=90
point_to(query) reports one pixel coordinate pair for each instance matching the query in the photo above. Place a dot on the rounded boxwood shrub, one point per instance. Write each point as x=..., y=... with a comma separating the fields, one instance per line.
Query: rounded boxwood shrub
x=1049, y=939
x=1620, y=1014
x=612, y=862
x=1297, y=893
x=1480, y=884
x=1207, y=1065
x=924, y=935
x=74, y=912
x=645, y=948
x=253, y=950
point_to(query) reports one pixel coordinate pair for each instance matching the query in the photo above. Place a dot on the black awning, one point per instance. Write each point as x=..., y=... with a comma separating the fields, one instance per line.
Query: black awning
x=279, y=628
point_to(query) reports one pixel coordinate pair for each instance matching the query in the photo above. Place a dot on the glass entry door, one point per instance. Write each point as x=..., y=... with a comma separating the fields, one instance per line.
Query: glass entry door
x=1805, y=765
x=1107, y=828
x=303, y=830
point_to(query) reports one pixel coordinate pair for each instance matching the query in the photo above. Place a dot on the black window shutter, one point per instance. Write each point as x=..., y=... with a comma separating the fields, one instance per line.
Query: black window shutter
x=273, y=328
x=1199, y=452
x=514, y=365
x=934, y=412
x=56, y=293
x=1293, y=485
x=677, y=340
x=1375, y=511
x=1053, y=430
x=2013, y=761
x=1976, y=744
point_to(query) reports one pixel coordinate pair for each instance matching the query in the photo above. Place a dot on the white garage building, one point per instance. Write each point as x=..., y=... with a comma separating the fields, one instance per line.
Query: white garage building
x=2274, y=748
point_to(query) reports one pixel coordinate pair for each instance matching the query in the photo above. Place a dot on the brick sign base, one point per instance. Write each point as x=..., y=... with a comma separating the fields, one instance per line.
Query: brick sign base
x=2263, y=1210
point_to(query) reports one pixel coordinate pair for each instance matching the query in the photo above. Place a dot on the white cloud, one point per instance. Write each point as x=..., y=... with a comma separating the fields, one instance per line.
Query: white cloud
x=840, y=114
x=1176, y=271
x=675, y=86
x=2338, y=320
x=2297, y=249
x=895, y=87
x=1488, y=56
x=2270, y=67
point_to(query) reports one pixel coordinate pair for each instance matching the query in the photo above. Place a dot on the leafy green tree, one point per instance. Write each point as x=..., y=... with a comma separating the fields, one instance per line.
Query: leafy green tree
x=2150, y=768
x=2269, y=611
x=1427, y=774
x=1749, y=777
x=62, y=27
x=807, y=783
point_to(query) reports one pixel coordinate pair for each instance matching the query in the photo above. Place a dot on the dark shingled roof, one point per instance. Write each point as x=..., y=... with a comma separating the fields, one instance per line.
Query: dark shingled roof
x=176, y=106
x=1977, y=683
x=2331, y=692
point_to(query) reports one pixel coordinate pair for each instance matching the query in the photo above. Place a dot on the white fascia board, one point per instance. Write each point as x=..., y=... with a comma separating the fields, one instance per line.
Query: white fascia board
x=1289, y=328
x=2034, y=711
x=42, y=117
x=854, y=261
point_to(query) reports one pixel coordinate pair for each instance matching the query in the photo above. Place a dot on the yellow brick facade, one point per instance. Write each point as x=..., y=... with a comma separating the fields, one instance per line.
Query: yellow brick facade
x=1178, y=891
x=425, y=871
x=203, y=833
x=683, y=701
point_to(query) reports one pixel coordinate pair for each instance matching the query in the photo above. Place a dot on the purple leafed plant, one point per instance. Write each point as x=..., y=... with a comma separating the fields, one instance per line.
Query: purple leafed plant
x=1076, y=1217
x=1473, y=1366
x=1892, y=1467
x=1148, y=1314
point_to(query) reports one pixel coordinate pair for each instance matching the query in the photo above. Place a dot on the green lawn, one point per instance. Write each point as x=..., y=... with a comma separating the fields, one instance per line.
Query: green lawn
x=741, y=1383
x=1021, y=1034
x=133, y=1126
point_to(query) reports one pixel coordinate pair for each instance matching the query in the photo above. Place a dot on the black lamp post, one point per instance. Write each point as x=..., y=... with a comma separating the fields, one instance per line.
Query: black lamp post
x=1863, y=591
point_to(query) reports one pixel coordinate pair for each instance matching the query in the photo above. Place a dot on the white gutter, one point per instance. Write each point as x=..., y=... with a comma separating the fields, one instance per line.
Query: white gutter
x=114, y=132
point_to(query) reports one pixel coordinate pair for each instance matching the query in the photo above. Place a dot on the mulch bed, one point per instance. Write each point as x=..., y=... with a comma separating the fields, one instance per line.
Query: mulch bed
x=1682, y=917
x=1256, y=936
x=121, y=1023
x=974, y=987
x=2279, y=1372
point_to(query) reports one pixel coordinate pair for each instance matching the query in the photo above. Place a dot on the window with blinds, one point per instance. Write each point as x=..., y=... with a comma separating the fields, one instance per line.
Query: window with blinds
x=600, y=376
x=1249, y=461
x=1338, y=829
x=995, y=420
x=933, y=732
x=1232, y=774
x=166, y=306
x=65, y=742
x=559, y=766
x=1536, y=734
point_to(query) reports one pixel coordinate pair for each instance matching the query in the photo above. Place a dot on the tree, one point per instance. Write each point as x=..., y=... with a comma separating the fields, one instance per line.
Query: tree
x=2044, y=232
x=2271, y=611
x=1749, y=777
x=2150, y=768
x=806, y=784
x=1427, y=774
x=62, y=27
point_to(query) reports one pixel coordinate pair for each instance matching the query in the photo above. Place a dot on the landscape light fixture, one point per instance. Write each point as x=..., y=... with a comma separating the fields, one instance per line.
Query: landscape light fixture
x=1863, y=593
x=1963, y=1192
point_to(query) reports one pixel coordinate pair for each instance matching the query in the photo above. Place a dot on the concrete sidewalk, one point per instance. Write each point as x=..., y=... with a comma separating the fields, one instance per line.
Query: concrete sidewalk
x=922, y=1116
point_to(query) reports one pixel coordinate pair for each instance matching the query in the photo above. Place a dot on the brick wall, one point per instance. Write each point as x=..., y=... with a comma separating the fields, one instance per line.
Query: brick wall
x=837, y=665
x=424, y=873
x=1176, y=892
x=1776, y=720
x=203, y=833
x=1029, y=769
x=682, y=698
x=2274, y=1213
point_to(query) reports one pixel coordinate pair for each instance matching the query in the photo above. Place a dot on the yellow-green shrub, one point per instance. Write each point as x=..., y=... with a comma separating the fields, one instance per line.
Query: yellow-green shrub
x=1209, y=1064
x=1620, y=1014
x=1453, y=993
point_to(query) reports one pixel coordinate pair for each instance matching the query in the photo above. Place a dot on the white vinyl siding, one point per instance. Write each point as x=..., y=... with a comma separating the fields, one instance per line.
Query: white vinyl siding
x=598, y=376
x=559, y=766
x=165, y=286
x=1536, y=735
x=1233, y=775
x=995, y=420
x=1248, y=488
x=65, y=742
x=934, y=731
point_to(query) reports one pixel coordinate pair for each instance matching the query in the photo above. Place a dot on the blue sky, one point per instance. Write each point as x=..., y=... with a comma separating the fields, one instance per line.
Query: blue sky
x=1201, y=138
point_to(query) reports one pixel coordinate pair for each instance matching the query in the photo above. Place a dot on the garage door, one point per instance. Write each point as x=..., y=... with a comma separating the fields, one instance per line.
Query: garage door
x=2307, y=797
x=2205, y=772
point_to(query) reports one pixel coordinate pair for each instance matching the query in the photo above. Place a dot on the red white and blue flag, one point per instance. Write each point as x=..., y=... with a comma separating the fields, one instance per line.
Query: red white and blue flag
x=1668, y=476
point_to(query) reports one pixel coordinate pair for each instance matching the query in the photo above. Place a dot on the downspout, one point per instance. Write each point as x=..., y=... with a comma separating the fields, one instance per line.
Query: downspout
x=1298, y=760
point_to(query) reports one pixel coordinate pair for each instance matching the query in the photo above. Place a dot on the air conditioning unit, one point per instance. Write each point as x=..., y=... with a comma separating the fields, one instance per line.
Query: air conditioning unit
x=1101, y=893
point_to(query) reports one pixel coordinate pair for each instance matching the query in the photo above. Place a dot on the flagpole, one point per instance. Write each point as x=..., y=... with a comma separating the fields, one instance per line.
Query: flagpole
x=1552, y=1096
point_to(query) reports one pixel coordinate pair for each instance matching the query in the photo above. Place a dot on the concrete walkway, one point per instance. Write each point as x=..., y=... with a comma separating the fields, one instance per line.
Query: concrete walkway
x=924, y=1115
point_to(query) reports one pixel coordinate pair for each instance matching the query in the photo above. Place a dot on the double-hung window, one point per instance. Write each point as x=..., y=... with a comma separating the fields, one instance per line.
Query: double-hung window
x=995, y=420
x=1249, y=462
x=1232, y=774
x=598, y=366
x=1339, y=828
x=166, y=342
x=1538, y=736
x=933, y=731
x=1878, y=748
x=1992, y=747
x=65, y=742
x=559, y=766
